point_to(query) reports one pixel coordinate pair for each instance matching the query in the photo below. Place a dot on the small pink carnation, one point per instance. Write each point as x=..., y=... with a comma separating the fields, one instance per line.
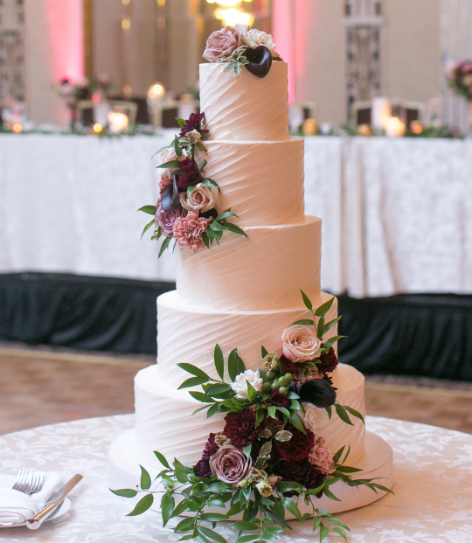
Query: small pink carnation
x=164, y=181
x=189, y=231
x=321, y=457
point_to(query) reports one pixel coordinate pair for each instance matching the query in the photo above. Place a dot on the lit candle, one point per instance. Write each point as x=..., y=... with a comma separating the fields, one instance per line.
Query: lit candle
x=394, y=127
x=17, y=128
x=380, y=112
x=118, y=122
x=416, y=127
x=309, y=127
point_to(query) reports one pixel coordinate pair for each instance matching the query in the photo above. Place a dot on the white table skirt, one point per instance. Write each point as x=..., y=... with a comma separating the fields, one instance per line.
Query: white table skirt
x=397, y=214
x=432, y=501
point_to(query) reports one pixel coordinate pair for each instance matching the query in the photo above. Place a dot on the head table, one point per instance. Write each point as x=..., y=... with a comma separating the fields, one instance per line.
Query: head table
x=432, y=501
x=397, y=212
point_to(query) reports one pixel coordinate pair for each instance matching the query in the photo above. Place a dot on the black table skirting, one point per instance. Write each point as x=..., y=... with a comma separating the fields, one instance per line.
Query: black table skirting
x=422, y=334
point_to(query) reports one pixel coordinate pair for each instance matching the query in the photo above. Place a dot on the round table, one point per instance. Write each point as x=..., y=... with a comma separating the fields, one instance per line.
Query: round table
x=432, y=501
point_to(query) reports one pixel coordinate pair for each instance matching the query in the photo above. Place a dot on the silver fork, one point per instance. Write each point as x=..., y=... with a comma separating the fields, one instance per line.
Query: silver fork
x=28, y=481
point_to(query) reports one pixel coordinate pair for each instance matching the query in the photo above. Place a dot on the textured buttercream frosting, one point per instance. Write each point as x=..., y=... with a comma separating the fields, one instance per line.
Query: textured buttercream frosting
x=245, y=107
x=262, y=182
x=264, y=271
x=164, y=420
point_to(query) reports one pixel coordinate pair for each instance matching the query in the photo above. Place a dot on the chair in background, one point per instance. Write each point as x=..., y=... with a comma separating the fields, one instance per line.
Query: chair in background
x=361, y=112
x=129, y=107
x=299, y=112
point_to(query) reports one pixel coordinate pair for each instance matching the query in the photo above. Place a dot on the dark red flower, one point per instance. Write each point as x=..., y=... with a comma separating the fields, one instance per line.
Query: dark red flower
x=288, y=365
x=279, y=400
x=202, y=469
x=300, y=472
x=193, y=123
x=188, y=165
x=241, y=427
x=298, y=447
x=327, y=362
x=210, y=448
x=186, y=181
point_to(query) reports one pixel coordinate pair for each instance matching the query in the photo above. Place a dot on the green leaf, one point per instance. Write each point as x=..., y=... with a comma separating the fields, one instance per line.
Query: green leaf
x=164, y=246
x=125, y=493
x=181, y=508
x=143, y=505
x=260, y=414
x=214, y=517
x=225, y=215
x=329, y=411
x=276, y=517
x=219, y=361
x=320, y=328
x=234, y=228
x=147, y=227
x=266, y=448
x=212, y=535
x=178, y=149
x=189, y=368
x=306, y=301
x=214, y=183
x=167, y=507
x=185, y=525
x=145, y=479
x=330, y=324
x=170, y=164
x=271, y=532
x=199, y=396
x=298, y=423
x=341, y=532
x=180, y=121
x=201, y=147
x=283, y=435
x=160, y=150
x=316, y=522
x=323, y=309
x=383, y=488
x=244, y=526
x=292, y=507
x=331, y=341
x=150, y=210
x=206, y=240
x=180, y=472
x=324, y=512
x=162, y=459
x=216, y=226
x=354, y=413
x=235, y=365
x=213, y=410
x=215, y=488
x=303, y=322
x=218, y=390
x=202, y=165
x=193, y=382
x=286, y=486
x=324, y=530
x=330, y=495
x=340, y=523
x=201, y=409
x=338, y=455
x=347, y=469
x=251, y=392
x=342, y=414
x=247, y=538
x=272, y=411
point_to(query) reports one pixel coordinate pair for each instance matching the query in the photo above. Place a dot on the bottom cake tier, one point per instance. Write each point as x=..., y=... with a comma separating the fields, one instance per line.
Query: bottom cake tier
x=164, y=420
x=377, y=462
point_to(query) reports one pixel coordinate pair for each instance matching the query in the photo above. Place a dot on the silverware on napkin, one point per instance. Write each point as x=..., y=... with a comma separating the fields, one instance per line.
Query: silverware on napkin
x=35, y=522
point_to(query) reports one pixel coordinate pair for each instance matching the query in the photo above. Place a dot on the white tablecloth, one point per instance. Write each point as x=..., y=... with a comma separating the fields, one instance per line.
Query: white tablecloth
x=432, y=501
x=397, y=214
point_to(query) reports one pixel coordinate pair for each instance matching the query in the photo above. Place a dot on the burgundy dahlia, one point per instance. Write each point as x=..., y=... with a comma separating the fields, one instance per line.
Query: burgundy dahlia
x=210, y=448
x=279, y=400
x=241, y=427
x=298, y=447
x=193, y=123
x=186, y=181
x=202, y=468
x=288, y=365
x=188, y=165
x=302, y=472
x=327, y=362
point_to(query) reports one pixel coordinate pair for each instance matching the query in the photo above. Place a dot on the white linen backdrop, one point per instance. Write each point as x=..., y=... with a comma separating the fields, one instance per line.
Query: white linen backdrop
x=397, y=213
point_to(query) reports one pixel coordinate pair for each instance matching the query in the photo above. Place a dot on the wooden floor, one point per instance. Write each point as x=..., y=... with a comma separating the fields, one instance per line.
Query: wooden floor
x=39, y=386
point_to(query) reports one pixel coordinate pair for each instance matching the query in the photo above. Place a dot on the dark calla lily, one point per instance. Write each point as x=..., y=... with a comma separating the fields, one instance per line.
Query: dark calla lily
x=170, y=199
x=318, y=392
x=260, y=60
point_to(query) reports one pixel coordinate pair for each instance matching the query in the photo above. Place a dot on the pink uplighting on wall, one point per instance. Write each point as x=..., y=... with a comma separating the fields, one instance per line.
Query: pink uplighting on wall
x=283, y=14
x=65, y=20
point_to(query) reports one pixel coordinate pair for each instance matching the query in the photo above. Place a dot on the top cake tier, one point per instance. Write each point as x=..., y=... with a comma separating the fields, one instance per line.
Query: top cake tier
x=246, y=107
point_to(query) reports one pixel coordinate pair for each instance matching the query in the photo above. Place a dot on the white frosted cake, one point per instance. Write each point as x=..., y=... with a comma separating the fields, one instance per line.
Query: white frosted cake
x=245, y=291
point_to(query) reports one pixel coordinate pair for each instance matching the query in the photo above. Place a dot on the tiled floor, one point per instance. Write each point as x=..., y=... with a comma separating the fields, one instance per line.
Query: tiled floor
x=40, y=387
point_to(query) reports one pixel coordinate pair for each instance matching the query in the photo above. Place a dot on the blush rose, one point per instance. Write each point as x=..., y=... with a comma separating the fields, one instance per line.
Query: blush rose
x=230, y=465
x=222, y=43
x=300, y=344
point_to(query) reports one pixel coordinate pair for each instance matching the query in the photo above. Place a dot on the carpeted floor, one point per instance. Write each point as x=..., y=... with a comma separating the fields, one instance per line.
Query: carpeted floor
x=41, y=386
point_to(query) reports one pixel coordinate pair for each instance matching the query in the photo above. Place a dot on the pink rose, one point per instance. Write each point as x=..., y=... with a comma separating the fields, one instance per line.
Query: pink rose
x=300, y=344
x=222, y=43
x=166, y=219
x=189, y=231
x=164, y=181
x=321, y=457
x=230, y=465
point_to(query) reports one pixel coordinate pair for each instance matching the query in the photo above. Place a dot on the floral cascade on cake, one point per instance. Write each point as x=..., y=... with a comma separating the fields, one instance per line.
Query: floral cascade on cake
x=186, y=209
x=268, y=456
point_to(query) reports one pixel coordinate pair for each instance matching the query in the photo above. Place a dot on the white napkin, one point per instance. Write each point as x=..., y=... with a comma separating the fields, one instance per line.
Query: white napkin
x=16, y=507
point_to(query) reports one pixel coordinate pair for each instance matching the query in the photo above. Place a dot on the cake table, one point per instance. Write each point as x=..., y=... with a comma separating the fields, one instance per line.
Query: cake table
x=432, y=501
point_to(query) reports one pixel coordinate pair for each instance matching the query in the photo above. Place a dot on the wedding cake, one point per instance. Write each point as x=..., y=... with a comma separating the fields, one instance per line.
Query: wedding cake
x=255, y=289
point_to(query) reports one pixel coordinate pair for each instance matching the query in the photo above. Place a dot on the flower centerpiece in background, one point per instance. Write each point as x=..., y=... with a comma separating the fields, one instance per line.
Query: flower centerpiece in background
x=186, y=208
x=459, y=79
x=73, y=93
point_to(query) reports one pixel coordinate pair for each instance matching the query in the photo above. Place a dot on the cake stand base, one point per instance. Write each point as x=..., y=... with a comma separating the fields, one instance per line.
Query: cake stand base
x=124, y=472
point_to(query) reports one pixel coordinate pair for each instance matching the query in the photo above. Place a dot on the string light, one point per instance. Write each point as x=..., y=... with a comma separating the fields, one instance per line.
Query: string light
x=97, y=128
x=125, y=2
x=227, y=3
x=125, y=24
x=231, y=17
x=157, y=90
x=127, y=90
